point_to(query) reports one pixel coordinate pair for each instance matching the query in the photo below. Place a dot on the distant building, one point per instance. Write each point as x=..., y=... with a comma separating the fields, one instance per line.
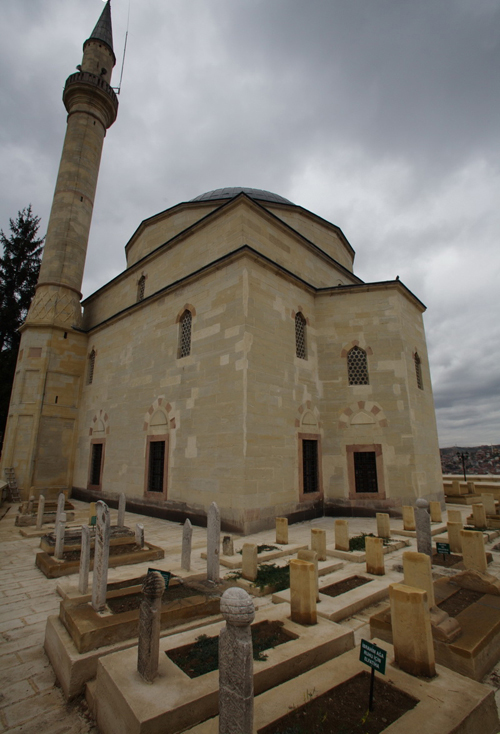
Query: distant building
x=238, y=358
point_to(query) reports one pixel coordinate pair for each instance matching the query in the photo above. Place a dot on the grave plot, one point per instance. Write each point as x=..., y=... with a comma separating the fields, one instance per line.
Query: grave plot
x=123, y=703
x=445, y=704
x=344, y=594
x=76, y=639
x=265, y=553
x=472, y=599
x=123, y=554
x=353, y=549
x=73, y=538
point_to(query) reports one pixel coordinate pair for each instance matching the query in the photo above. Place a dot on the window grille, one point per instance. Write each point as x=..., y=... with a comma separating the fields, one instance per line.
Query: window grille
x=310, y=465
x=357, y=367
x=90, y=374
x=96, y=465
x=185, y=334
x=365, y=471
x=156, y=466
x=418, y=371
x=300, y=336
x=141, y=285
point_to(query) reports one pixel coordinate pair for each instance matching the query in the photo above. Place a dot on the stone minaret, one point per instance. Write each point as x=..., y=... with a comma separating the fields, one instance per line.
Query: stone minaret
x=39, y=442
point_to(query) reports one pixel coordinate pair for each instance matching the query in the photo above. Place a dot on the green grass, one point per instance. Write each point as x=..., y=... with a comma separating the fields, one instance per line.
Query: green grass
x=268, y=574
x=357, y=543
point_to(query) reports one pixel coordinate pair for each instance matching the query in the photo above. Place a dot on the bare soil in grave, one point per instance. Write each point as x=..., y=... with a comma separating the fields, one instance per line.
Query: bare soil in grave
x=175, y=591
x=202, y=656
x=342, y=586
x=460, y=601
x=446, y=560
x=344, y=710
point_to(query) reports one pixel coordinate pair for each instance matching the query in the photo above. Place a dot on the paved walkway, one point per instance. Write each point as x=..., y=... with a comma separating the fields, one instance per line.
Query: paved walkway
x=30, y=700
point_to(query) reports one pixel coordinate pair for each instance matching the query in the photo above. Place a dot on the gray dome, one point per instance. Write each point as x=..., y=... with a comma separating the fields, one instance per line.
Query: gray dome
x=230, y=193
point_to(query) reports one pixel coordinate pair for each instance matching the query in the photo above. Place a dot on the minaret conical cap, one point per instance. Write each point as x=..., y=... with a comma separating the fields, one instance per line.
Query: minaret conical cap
x=103, y=30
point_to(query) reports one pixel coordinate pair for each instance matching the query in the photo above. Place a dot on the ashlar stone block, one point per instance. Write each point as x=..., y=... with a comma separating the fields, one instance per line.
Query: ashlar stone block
x=282, y=530
x=478, y=516
x=341, y=535
x=383, y=525
x=473, y=551
x=454, y=537
x=435, y=508
x=408, y=517
x=318, y=543
x=302, y=592
x=411, y=630
x=249, y=561
x=374, y=548
x=418, y=573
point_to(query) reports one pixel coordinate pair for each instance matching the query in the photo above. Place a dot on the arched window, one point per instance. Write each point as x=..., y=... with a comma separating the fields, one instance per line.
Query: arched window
x=185, y=334
x=141, y=285
x=418, y=371
x=90, y=373
x=300, y=337
x=357, y=366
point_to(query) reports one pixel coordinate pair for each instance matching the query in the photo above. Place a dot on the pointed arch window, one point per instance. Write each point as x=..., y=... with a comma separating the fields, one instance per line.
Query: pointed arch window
x=357, y=366
x=418, y=371
x=300, y=336
x=141, y=286
x=90, y=372
x=185, y=334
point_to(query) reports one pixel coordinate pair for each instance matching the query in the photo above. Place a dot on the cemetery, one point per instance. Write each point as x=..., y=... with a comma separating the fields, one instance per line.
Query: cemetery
x=148, y=647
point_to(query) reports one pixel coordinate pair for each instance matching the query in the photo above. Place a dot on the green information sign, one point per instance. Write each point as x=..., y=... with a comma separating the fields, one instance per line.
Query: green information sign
x=373, y=656
x=443, y=548
x=166, y=575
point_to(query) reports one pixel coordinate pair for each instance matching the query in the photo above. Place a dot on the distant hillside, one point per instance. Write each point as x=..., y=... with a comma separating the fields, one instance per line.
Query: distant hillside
x=482, y=459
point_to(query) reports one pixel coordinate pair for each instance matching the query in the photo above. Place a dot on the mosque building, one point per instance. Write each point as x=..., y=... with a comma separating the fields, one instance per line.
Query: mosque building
x=237, y=358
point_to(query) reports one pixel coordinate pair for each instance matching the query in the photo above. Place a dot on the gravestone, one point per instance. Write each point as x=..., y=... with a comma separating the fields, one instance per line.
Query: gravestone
x=302, y=592
x=282, y=530
x=83, y=577
x=454, y=537
x=318, y=543
x=236, y=663
x=41, y=510
x=341, y=535
x=408, y=518
x=435, y=508
x=311, y=557
x=122, y=503
x=474, y=555
x=411, y=630
x=101, y=556
x=423, y=527
x=148, y=649
x=213, y=543
x=139, y=535
x=374, y=548
x=227, y=546
x=489, y=504
x=187, y=536
x=418, y=573
x=455, y=516
x=383, y=525
x=478, y=516
x=60, y=531
x=249, y=561
x=31, y=502
x=471, y=487
x=61, y=502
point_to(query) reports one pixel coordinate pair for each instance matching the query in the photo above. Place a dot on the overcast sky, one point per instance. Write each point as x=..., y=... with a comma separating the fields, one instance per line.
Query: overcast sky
x=382, y=116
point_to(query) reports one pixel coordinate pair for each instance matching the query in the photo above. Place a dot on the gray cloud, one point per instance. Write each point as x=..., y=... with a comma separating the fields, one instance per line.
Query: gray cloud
x=379, y=116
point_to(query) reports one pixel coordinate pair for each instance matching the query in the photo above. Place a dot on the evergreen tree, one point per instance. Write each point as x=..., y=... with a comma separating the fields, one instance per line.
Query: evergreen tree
x=19, y=268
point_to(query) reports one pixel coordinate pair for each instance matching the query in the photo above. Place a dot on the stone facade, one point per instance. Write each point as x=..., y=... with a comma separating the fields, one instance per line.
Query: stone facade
x=258, y=411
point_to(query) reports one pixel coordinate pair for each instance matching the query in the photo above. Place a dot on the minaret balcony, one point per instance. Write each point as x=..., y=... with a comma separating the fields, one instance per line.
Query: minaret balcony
x=85, y=80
